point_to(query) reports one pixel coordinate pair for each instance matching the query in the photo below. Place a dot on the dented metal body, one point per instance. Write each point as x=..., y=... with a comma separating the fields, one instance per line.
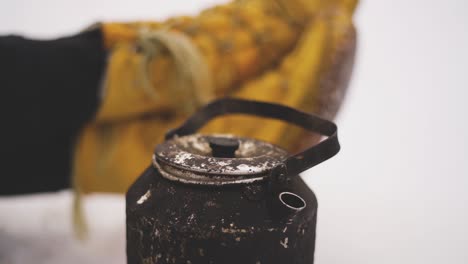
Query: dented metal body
x=221, y=199
x=231, y=224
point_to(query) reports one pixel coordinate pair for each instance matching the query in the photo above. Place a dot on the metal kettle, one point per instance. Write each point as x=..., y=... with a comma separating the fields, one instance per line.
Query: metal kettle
x=223, y=199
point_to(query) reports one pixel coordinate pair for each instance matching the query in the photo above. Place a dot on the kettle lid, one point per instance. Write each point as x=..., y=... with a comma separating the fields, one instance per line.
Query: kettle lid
x=191, y=158
x=217, y=159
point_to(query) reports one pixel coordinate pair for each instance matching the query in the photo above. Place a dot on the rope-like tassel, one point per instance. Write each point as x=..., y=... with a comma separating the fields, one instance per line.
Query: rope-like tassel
x=192, y=80
x=191, y=84
x=80, y=226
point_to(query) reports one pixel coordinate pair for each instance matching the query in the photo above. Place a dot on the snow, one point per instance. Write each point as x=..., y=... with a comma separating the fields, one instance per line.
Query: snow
x=38, y=229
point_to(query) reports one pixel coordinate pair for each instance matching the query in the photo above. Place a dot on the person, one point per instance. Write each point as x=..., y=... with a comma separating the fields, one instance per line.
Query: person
x=49, y=91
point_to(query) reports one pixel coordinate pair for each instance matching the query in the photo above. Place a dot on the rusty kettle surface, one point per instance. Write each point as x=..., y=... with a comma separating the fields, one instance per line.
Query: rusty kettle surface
x=224, y=199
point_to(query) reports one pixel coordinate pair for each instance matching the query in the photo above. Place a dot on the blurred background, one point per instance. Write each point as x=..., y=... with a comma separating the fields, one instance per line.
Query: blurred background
x=396, y=193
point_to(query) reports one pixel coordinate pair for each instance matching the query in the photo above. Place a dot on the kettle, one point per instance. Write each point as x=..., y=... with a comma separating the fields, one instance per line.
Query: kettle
x=223, y=199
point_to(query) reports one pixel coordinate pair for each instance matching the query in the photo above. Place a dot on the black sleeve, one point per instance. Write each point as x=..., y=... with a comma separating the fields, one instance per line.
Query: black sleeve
x=49, y=90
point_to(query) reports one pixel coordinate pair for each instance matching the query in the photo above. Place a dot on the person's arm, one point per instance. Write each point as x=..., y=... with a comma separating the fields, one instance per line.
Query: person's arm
x=49, y=90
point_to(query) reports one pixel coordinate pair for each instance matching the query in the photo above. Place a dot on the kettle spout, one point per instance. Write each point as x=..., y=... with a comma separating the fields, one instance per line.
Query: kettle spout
x=292, y=201
x=289, y=204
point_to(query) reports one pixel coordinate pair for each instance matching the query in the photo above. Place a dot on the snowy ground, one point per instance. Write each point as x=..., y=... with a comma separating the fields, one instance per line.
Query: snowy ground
x=38, y=229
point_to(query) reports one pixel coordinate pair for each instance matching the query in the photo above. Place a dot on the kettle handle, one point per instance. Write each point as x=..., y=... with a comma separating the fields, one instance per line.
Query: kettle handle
x=294, y=164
